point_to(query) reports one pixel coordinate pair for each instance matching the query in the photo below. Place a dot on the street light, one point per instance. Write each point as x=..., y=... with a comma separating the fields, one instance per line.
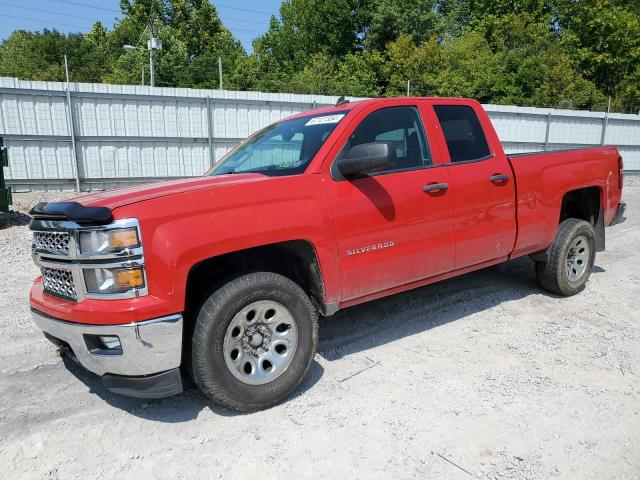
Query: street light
x=154, y=43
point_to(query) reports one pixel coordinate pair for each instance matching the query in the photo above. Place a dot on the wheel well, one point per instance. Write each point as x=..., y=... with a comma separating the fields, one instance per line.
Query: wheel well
x=294, y=259
x=583, y=203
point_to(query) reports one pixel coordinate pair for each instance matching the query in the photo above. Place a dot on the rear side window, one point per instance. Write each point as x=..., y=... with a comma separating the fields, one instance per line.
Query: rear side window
x=463, y=133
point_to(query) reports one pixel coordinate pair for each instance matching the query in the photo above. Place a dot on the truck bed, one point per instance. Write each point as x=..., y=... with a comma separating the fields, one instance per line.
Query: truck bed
x=543, y=177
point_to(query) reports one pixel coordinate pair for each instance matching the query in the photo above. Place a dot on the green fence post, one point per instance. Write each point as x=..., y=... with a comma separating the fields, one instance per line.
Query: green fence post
x=5, y=193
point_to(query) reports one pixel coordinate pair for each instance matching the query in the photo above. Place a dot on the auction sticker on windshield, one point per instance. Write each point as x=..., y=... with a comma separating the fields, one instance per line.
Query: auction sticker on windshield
x=324, y=120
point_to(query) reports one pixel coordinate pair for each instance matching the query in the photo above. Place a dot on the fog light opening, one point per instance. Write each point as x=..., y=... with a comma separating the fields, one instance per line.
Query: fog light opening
x=110, y=343
x=103, y=344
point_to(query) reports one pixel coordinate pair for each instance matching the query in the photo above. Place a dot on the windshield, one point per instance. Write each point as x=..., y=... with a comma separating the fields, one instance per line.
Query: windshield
x=284, y=148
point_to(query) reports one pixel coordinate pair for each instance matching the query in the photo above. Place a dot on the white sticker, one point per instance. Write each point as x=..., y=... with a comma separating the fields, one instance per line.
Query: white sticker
x=324, y=119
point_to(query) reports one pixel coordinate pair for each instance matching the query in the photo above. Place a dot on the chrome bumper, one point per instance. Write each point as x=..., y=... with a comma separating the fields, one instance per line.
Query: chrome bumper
x=146, y=348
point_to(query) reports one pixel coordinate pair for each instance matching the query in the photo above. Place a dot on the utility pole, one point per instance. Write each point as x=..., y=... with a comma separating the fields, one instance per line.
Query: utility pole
x=408, y=86
x=72, y=133
x=152, y=44
x=220, y=71
x=152, y=79
x=605, y=123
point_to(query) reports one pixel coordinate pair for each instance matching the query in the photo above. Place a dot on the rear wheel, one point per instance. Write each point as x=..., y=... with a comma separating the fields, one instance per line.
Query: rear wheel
x=254, y=341
x=570, y=258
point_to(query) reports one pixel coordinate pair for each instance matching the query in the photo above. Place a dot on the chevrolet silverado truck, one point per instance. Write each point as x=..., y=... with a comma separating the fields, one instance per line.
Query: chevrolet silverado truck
x=221, y=279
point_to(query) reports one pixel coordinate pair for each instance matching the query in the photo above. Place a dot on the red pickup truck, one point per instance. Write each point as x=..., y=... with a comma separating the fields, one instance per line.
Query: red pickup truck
x=222, y=278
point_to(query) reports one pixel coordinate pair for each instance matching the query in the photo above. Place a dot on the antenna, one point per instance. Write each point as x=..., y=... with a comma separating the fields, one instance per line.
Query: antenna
x=341, y=101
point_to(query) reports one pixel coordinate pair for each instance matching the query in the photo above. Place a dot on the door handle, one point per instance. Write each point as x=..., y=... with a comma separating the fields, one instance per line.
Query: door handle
x=499, y=178
x=435, y=187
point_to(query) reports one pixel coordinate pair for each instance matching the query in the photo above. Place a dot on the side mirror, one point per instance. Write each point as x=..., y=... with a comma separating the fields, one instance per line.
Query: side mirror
x=367, y=157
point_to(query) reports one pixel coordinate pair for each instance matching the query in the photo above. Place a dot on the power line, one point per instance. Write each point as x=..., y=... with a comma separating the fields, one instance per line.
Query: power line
x=239, y=31
x=217, y=4
x=41, y=21
x=243, y=20
x=80, y=4
x=246, y=31
x=93, y=19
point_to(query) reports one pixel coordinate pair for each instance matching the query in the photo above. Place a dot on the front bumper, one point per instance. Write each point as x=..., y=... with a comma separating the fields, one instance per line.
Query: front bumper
x=619, y=217
x=149, y=353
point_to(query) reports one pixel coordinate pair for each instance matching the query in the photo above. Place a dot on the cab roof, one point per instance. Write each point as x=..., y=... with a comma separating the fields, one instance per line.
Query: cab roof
x=350, y=105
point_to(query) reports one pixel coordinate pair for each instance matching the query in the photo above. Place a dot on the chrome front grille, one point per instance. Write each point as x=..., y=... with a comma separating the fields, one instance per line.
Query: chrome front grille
x=59, y=282
x=56, y=243
x=56, y=252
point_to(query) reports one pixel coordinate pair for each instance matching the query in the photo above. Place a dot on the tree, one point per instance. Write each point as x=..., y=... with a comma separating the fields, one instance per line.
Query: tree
x=357, y=74
x=193, y=38
x=604, y=37
x=197, y=25
x=416, y=19
x=40, y=56
x=306, y=28
x=421, y=65
x=127, y=67
x=202, y=71
x=473, y=69
x=538, y=69
x=628, y=98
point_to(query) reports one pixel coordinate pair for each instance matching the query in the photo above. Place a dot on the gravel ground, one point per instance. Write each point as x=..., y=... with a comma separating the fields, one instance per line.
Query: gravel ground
x=481, y=376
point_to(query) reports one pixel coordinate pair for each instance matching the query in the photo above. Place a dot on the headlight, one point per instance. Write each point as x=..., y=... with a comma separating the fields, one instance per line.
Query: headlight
x=96, y=242
x=113, y=280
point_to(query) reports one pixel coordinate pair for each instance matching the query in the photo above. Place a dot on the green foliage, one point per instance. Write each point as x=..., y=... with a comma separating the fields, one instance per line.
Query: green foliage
x=573, y=53
x=307, y=28
x=40, y=56
x=393, y=18
x=604, y=37
x=628, y=98
x=507, y=60
x=192, y=35
x=127, y=67
x=356, y=74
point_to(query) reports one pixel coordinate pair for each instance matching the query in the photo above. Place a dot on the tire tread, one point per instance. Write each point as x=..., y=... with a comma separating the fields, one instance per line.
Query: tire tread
x=550, y=274
x=214, y=304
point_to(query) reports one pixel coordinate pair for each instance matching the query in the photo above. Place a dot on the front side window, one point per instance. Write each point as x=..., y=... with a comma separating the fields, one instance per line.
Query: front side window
x=284, y=148
x=399, y=126
x=462, y=131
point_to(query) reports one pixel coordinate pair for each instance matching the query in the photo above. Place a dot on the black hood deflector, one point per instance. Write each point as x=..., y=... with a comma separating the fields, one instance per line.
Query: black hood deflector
x=71, y=211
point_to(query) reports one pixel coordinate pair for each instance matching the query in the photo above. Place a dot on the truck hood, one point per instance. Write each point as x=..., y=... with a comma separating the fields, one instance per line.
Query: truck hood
x=124, y=196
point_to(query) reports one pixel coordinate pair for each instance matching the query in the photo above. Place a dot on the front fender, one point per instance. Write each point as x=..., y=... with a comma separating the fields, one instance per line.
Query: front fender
x=182, y=230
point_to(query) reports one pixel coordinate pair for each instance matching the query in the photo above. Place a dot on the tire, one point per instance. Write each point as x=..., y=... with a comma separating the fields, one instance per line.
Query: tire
x=281, y=333
x=570, y=259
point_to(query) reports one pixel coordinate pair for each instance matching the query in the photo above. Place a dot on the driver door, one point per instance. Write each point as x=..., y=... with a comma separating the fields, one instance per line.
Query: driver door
x=389, y=230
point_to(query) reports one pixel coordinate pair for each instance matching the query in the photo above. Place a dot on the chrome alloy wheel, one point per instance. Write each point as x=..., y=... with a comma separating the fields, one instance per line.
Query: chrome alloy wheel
x=260, y=342
x=577, y=258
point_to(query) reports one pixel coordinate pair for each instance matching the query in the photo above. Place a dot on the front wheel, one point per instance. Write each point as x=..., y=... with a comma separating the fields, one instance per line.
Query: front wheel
x=254, y=341
x=570, y=258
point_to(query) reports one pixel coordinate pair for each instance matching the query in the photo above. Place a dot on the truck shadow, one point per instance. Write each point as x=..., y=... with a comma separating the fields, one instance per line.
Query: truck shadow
x=376, y=323
x=14, y=219
x=358, y=329
x=177, y=409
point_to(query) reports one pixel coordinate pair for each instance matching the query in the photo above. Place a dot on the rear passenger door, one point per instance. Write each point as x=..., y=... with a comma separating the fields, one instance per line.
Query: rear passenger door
x=483, y=189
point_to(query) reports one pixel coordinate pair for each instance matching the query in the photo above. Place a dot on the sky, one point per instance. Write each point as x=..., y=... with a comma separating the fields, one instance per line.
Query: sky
x=247, y=19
